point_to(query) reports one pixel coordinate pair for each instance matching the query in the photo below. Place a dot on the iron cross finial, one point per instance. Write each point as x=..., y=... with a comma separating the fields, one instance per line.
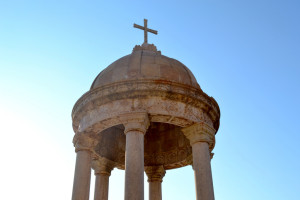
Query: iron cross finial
x=146, y=30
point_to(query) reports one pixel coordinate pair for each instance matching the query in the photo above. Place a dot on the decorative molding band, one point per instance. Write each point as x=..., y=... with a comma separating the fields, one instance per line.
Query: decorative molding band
x=135, y=89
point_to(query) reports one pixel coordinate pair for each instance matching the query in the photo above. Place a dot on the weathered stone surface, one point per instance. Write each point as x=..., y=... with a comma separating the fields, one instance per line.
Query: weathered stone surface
x=138, y=66
x=147, y=110
x=200, y=132
x=161, y=87
x=202, y=171
x=135, y=129
x=184, y=106
x=83, y=142
x=155, y=175
x=166, y=145
x=82, y=177
x=102, y=168
x=101, y=187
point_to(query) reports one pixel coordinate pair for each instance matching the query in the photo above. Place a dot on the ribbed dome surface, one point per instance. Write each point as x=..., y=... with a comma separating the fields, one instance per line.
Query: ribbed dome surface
x=148, y=65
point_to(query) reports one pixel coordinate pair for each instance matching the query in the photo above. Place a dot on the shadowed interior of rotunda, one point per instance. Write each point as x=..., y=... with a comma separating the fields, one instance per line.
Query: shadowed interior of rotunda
x=164, y=143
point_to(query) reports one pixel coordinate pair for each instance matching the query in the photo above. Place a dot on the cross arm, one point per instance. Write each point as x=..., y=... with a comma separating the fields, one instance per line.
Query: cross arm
x=138, y=26
x=152, y=31
x=143, y=28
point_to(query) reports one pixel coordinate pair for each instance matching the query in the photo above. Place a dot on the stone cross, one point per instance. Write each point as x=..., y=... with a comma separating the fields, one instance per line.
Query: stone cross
x=146, y=30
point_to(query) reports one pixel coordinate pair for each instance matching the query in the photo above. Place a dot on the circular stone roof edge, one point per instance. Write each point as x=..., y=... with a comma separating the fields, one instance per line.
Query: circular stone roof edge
x=211, y=99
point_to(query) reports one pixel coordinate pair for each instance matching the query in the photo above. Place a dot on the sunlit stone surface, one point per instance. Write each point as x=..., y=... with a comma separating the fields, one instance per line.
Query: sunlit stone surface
x=145, y=111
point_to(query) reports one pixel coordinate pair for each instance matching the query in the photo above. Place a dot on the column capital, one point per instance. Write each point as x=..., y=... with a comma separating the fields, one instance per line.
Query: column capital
x=102, y=165
x=155, y=173
x=83, y=142
x=135, y=121
x=200, y=132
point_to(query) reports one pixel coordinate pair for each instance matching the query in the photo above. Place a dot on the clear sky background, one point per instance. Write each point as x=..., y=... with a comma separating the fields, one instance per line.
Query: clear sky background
x=246, y=54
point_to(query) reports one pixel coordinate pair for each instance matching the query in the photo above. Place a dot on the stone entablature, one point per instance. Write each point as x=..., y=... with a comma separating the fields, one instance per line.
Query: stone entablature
x=166, y=102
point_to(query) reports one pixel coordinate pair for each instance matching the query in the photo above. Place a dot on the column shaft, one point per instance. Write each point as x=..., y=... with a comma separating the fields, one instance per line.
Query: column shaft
x=134, y=166
x=155, y=176
x=202, y=170
x=155, y=190
x=101, y=187
x=82, y=177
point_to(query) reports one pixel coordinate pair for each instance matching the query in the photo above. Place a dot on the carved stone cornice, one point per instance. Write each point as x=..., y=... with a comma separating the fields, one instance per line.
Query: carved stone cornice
x=200, y=132
x=135, y=121
x=155, y=173
x=102, y=165
x=150, y=89
x=83, y=142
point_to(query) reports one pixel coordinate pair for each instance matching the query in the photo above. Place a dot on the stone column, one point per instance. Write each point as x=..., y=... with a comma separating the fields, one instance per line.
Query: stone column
x=136, y=125
x=102, y=168
x=155, y=175
x=202, y=140
x=82, y=178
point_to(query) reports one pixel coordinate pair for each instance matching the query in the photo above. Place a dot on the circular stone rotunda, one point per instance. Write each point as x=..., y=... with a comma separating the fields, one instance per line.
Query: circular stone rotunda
x=144, y=112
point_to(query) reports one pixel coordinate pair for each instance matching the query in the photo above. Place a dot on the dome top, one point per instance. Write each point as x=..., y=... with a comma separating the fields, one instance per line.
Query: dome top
x=145, y=63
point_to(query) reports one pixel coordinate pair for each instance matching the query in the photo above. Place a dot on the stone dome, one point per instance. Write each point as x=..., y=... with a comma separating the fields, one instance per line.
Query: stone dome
x=146, y=85
x=146, y=63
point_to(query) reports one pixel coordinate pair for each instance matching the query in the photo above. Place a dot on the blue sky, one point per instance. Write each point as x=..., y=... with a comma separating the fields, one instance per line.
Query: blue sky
x=246, y=54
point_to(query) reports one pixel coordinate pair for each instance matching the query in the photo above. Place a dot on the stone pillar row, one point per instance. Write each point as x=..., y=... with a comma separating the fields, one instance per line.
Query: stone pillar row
x=136, y=124
x=85, y=160
x=201, y=138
